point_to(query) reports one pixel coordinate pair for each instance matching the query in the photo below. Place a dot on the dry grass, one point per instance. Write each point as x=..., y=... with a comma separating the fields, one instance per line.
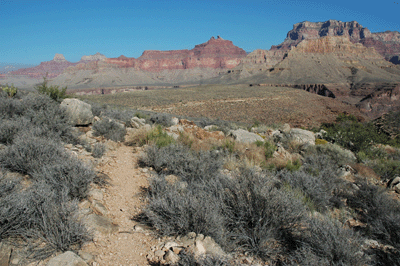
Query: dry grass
x=136, y=137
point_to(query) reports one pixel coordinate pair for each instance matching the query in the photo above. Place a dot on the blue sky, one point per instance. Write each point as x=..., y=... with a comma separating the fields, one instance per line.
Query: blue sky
x=33, y=31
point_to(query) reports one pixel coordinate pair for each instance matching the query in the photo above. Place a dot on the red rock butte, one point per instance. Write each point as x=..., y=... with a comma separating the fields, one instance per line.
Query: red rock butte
x=215, y=53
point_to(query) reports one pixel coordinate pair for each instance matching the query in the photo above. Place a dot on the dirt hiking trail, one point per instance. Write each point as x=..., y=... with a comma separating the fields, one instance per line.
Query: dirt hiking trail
x=123, y=200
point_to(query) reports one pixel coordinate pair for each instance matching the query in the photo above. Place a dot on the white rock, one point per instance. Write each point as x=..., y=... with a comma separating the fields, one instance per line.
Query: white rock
x=245, y=136
x=80, y=113
x=174, y=121
x=68, y=258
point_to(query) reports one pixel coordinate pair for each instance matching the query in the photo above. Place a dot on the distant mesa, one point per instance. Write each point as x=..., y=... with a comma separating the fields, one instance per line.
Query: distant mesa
x=59, y=58
x=51, y=68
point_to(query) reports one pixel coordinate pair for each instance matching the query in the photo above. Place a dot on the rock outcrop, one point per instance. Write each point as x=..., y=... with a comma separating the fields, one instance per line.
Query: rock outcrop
x=244, y=136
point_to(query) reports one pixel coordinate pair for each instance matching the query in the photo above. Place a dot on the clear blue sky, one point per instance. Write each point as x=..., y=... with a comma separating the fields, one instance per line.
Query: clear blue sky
x=33, y=30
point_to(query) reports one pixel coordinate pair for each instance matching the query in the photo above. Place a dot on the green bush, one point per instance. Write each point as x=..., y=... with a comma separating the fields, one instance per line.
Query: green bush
x=10, y=90
x=159, y=137
x=386, y=169
x=293, y=166
x=228, y=145
x=53, y=91
x=269, y=147
x=320, y=142
x=355, y=136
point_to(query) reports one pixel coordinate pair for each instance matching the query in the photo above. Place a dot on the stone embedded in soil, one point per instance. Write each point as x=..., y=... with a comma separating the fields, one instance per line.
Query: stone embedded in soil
x=98, y=207
x=101, y=224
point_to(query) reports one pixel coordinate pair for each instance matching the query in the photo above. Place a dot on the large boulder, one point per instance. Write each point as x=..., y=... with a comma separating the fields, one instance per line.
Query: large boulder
x=68, y=258
x=80, y=113
x=245, y=136
x=301, y=136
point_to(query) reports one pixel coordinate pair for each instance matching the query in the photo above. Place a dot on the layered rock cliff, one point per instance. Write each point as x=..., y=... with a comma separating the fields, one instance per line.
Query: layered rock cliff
x=330, y=59
x=215, y=53
x=386, y=43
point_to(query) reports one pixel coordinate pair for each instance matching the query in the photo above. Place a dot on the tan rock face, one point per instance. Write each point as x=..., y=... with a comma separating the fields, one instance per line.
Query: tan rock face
x=342, y=47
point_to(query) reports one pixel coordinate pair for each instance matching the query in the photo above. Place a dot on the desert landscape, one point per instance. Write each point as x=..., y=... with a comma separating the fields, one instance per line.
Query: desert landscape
x=205, y=156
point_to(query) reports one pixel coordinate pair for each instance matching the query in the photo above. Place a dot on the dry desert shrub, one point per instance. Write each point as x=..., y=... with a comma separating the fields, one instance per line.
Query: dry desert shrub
x=98, y=150
x=110, y=129
x=365, y=171
x=231, y=163
x=294, y=146
x=250, y=152
x=137, y=137
x=40, y=212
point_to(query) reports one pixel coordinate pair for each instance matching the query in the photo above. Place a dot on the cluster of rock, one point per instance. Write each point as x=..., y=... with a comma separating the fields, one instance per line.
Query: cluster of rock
x=167, y=252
